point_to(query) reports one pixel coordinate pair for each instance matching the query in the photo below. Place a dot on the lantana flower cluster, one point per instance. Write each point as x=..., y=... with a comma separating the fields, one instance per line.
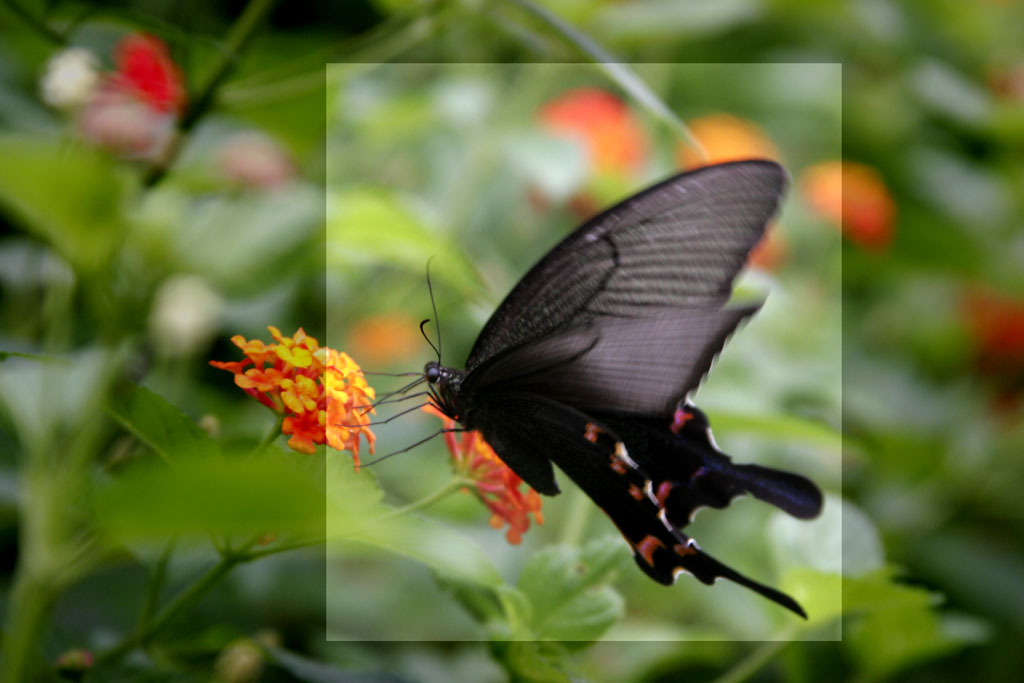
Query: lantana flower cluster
x=321, y=392
x=495, y=484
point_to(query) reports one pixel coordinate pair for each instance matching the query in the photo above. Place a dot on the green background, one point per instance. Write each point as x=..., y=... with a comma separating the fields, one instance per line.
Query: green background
x=113, y=502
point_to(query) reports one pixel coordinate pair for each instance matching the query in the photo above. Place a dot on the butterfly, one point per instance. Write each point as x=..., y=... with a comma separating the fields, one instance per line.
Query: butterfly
x=589, y=362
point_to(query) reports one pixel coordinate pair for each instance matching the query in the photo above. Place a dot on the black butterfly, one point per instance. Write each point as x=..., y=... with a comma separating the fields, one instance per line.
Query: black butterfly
x=589, y=361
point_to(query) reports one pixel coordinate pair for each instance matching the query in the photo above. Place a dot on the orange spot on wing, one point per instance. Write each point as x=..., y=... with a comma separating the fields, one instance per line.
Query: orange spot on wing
x=680, y=549
x=617, y=464
x=591, y=432
x=646, y=548
x=663, y=490
x=636, y=492
x=679, y=420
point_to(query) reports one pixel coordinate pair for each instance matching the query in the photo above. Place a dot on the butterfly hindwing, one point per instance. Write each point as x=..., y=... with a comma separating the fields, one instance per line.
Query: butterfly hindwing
x=648, y=507
x=677, y=244
x=691, y=433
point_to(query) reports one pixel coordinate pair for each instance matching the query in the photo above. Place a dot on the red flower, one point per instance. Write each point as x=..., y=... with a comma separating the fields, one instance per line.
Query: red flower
x=854, y=197
x=144, y=68
x=322, y=392
x=995, y=323
x=497, y=486
x=613, y=137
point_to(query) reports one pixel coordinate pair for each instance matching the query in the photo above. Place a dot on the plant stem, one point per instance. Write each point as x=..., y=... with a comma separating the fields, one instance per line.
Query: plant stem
x=186, y=599
x=616, y=70
x=268, y=439
x=238, y=36
x=30, y=604
x=37, y=24
x=451, y=487
x=283, y=548
x=155, y=585
x=760, y=656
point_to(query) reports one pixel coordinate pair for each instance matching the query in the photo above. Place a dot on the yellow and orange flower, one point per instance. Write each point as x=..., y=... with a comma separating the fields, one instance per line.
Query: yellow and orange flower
x=725, y=137
x=497, y=486
x=854, y=197
x=321, y=392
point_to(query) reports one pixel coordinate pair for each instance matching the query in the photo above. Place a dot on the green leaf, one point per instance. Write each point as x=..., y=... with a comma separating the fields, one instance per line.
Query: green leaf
x=878, y=591
x=843, y=539
x=312, y=671
x=159, y=424
x=568, y=590
x=227, y=238
x=4, y=355
x=356, y=515
x=272, y=492
x=367, y=227
x=781, y=427
x=827, y=595
x=893, y=639
x=534, y=662
x=48, y=402
x=69, y=196
x=820, y=593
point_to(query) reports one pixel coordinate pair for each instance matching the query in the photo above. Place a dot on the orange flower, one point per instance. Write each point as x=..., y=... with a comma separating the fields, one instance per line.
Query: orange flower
x=729, y=138
x=1007, y=82
x=321, y=392
x=854, y=197
x=613, y=137
x=771, y=251
x=725, y=138
x=379, y=339
x=497, y=486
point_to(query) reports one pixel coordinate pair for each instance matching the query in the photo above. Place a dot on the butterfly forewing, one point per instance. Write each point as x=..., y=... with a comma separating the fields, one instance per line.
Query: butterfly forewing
x=640, y=366
x=679, y=243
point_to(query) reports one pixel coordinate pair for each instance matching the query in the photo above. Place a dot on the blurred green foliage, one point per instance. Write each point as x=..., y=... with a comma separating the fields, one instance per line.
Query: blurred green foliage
x=890, y=375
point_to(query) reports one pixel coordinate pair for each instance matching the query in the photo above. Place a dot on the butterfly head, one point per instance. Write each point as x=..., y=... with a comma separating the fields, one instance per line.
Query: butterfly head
x=445, y=383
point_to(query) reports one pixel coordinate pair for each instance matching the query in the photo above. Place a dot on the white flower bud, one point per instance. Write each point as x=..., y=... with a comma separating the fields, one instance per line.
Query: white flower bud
x=70, y=79
x=184, y=316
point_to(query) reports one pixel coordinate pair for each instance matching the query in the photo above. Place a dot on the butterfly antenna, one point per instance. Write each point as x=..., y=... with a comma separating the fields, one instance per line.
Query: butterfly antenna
x=433, y=305
x=424, y=333
x=392, y=374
